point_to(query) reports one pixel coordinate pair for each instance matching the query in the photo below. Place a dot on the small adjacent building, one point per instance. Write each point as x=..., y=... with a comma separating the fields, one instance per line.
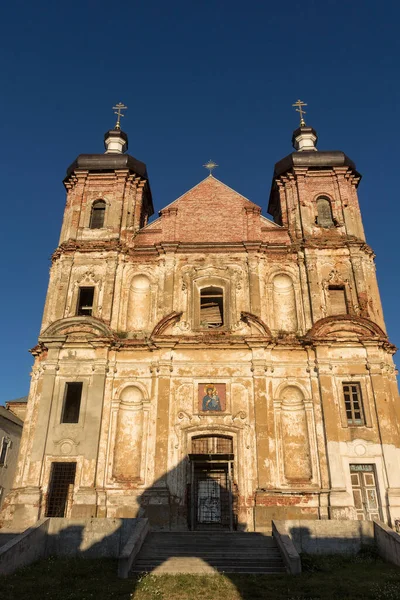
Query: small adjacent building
x=212, y=368
x=10, y=437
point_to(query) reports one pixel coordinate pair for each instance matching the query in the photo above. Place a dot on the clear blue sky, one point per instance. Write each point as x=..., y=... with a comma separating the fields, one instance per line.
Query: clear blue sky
x=211, y=79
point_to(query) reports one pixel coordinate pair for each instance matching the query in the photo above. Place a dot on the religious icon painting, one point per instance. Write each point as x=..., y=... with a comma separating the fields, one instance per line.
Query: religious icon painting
x=212, y=397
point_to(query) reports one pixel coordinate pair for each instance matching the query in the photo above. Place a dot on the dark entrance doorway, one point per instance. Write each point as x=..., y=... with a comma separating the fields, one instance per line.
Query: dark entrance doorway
x=211, y=475
x=62, y=480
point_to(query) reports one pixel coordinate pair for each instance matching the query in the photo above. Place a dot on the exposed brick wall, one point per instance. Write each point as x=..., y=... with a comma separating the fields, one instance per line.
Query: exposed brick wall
x=214, y=213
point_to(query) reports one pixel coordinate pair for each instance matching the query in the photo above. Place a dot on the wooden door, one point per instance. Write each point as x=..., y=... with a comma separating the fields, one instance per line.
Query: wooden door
x=365, y=492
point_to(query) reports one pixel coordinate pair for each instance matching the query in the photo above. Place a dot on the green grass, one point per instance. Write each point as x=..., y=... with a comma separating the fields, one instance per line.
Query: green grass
x=325, y=578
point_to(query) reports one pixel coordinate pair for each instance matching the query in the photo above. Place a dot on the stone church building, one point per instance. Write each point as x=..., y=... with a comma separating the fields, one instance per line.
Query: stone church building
x=211, y=368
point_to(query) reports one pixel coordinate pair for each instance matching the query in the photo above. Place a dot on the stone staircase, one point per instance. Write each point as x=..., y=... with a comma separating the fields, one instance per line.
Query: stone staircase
x=208, y=552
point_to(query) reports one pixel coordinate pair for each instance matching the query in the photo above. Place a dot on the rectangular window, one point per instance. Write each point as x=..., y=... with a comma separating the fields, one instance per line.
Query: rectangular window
x=85, y=301
x=3, y=451
x=72, y=402
x=353, y=404
x=337, y=300
x=211, y=307
x=61, y=487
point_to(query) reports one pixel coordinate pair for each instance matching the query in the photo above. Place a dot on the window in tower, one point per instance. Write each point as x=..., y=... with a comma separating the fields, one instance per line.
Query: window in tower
x=324, y=210
x=353, y=404
x=337, y=300
x=97, y=214
x=85, y=301
x=211, y=307
x=72, y=402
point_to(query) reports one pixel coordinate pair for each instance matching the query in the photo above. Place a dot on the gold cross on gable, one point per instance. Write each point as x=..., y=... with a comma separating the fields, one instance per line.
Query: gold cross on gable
x=210, y=165
x=117, y=111
x=300, y=110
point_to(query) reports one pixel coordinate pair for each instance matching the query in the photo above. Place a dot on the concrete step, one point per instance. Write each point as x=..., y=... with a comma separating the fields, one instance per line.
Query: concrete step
x=208, y=552
x=149, y=553
x=215, y=544
x=197, y=565
x=211, y=560
x=254, y=542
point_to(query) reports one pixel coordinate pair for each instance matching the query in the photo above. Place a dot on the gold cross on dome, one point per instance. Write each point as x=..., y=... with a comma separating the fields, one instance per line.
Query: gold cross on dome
x=117, y=111
x=300, y=110
x=210, y=165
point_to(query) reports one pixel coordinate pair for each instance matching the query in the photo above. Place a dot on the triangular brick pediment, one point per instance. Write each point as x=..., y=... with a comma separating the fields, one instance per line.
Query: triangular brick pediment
x=210, y=212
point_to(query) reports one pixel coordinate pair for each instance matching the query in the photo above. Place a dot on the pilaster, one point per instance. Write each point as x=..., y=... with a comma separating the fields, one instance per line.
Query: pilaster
x=259, y=368
x=254, y=286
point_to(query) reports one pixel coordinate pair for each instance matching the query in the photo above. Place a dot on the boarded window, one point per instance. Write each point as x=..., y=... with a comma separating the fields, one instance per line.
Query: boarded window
x=211, y=307
x=85, y=301
x=72, y=402
x=212, y=444
x=337, y=300
x=353, y=403
x=62, y=480
x=324, y=210
x=97, y=214
x=3, y=451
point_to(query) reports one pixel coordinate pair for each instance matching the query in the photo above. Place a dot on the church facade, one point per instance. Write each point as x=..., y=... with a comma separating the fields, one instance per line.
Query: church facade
x=212, y=368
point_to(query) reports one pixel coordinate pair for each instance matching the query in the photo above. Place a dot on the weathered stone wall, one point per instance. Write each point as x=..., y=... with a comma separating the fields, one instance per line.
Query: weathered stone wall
x=327, y=537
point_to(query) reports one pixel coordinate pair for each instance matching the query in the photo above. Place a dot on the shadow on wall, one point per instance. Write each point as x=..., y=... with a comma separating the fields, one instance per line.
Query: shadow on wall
x=215, y=512
x=331, y=537
x=205, y=509
x=197, y=494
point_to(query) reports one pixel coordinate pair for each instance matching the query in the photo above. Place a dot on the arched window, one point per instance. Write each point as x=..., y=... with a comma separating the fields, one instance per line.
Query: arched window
x=97, y=215
x=324, y=210
x=211, y=307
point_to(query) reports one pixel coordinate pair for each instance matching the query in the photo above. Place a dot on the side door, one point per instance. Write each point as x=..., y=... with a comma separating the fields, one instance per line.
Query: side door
x=365, y=492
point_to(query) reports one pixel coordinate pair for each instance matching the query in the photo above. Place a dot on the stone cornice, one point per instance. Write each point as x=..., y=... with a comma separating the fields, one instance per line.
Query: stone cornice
x=209, y=340
x=254, y=247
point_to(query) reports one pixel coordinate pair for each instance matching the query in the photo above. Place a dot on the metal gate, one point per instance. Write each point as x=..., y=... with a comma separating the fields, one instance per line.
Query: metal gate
x=210, y=499
x=212, y=496
x=61, y=485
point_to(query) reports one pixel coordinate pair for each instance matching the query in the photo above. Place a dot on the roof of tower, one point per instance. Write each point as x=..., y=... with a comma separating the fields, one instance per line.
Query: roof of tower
x=312, y=159
x=308, y=157
x=107, y=162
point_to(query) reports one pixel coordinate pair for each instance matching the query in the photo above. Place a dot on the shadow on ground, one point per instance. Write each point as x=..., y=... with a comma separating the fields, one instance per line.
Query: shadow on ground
x=202, y=510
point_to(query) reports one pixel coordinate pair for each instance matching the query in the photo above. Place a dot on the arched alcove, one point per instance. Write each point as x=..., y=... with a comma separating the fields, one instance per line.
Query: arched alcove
x=324, y=212
x=139, y=303
x=284, y=301
x=129, y=435
x=295, y=437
